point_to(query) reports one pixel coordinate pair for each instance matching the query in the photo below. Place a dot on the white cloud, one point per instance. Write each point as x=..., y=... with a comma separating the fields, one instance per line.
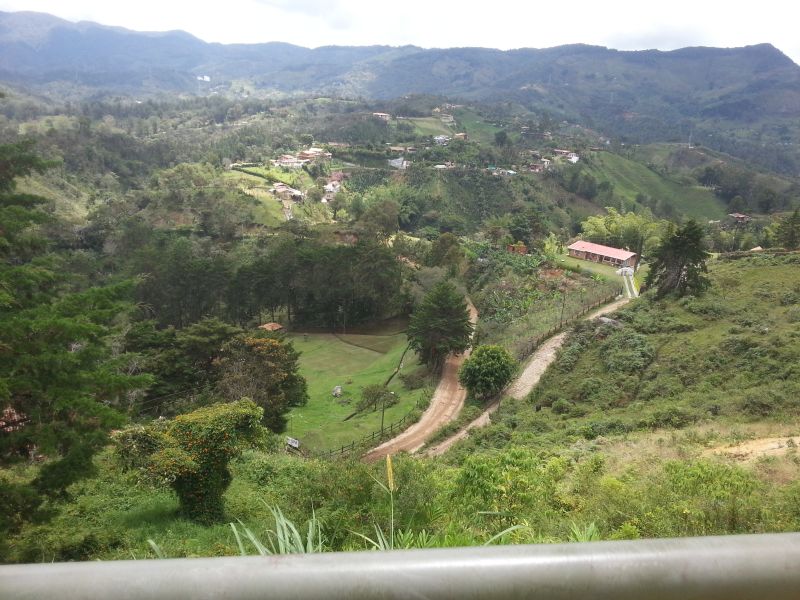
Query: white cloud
x=626, y=24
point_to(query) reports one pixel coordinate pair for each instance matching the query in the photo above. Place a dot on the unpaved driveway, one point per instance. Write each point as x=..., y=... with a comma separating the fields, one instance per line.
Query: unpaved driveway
x=447, y=402
x=522, y=386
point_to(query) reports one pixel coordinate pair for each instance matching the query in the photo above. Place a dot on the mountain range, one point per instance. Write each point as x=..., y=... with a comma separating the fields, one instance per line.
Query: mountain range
x=731, y=99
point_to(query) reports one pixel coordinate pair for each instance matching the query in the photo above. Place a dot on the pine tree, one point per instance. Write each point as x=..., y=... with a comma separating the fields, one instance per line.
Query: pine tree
x=789, y=231
x=440, y=325
x=679, y=263
x=56, y=368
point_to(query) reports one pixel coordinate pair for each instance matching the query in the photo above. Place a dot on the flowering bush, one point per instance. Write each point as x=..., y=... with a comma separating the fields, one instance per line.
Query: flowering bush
x=191, y=453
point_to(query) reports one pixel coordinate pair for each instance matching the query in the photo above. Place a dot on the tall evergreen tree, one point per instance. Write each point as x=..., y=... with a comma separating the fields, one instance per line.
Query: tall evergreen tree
x=679, y=263
x=57, y=369
x=440, y=325
x=789, y=231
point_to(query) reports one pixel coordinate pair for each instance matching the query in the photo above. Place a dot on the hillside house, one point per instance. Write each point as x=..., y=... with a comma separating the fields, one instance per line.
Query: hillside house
x=399, y=163
x=382, y=116
x=313, y=154
x=289, y=161
x=442, y=140
x=287, y=192
x=460, y=136
x=331, y=189
x=616, y=257
x=740, y=219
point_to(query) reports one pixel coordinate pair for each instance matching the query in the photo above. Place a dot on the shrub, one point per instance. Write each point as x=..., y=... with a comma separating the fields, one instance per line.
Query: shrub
x=627, y=351
x=561, y=407
x=487, y=371
x=673, y=417
x=192, y=452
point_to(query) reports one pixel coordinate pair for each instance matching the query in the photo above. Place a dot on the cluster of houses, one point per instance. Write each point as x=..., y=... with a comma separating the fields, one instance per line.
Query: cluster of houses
x=443, y=140
x=542, y=164
x=304, y=157
x=567, y=154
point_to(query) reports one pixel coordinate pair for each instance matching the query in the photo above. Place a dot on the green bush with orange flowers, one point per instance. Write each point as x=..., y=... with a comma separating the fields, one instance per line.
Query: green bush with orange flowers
x=191, y=453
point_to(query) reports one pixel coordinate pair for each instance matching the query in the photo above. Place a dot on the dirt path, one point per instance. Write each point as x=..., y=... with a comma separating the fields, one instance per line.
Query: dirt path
x=755, y=449
x=522, y=386
x=447, y=402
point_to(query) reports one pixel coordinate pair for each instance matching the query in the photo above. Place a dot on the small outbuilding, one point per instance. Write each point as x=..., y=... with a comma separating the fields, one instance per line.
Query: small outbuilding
x=598, y=253
x=271, y=327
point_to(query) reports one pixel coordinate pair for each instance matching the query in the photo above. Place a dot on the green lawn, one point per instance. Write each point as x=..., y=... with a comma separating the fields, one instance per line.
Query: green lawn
x=605, y=271
x=430, y=126
x=269, y=211
x=631, y=178
x=352, y=361
x=475, y=127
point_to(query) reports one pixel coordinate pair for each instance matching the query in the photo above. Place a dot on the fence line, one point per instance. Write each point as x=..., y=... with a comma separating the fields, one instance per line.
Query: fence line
x=535, y=343
x=370, y=437
x=561, y=322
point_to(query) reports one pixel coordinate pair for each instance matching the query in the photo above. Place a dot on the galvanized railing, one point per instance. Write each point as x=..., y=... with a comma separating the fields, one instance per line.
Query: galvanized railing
x=744, y=567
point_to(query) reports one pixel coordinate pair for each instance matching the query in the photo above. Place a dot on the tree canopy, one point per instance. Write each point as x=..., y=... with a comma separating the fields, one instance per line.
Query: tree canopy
x=57, y=367
x=679, y=263
x=440, y=325
x=788, y=232
x=265, y=370
x=639, y=232
x=487, y=371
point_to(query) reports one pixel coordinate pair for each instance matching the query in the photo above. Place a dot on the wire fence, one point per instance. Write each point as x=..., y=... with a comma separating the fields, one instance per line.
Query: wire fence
x=386, y=432
x=562, y=318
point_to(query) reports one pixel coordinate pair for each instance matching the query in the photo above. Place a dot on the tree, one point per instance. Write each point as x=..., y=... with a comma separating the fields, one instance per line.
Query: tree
x=501, y=138
x=440, y=325
x=58, y=367
x=265, y=370
x=789, y=231
x=638, y=232
x=191, y=453
x=487, y=371
x=679, y=263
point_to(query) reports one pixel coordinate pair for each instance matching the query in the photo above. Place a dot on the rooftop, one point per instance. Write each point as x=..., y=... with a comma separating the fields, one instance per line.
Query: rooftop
x=618, y=253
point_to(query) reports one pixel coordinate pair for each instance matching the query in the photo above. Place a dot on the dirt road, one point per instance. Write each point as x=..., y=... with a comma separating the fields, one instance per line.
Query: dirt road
x=522, y=386
x=754, y=449
x=447, y=402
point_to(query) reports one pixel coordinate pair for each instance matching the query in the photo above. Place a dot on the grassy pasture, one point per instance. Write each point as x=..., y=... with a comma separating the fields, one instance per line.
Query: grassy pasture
x=353, y=361
x=430, y=126
x=631, y=178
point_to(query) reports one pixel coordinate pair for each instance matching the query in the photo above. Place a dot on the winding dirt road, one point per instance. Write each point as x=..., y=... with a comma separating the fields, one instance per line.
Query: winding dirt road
x=447, y=402
x=522, y=386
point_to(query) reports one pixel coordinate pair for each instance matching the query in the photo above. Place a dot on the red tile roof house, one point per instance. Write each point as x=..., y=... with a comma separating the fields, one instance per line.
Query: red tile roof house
x=602, y=254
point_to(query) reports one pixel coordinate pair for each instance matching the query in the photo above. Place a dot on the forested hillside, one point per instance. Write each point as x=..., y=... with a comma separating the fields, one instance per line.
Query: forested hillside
x=212, y=306
x=743, y=101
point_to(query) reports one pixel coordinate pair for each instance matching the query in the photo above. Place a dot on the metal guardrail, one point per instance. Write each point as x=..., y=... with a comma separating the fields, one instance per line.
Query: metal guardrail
x=742, y=567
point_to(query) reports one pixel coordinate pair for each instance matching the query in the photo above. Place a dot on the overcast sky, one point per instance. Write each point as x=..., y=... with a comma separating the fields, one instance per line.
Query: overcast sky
x=622, y=24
